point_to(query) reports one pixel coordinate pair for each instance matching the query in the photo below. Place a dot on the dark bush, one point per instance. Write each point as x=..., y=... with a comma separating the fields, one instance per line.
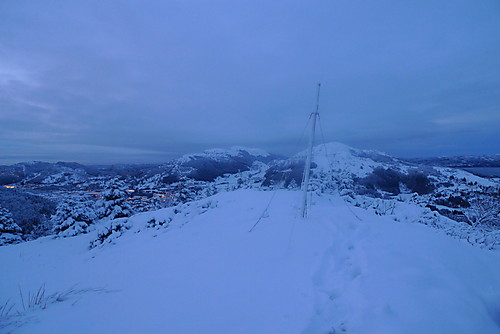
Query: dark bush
x=287, y=173
x=453, y=202
x=384, y=179
x=418, y=183
x=389, y=180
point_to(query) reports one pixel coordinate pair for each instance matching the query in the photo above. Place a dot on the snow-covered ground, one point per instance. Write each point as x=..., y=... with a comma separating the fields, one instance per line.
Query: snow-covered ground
x=341, y=270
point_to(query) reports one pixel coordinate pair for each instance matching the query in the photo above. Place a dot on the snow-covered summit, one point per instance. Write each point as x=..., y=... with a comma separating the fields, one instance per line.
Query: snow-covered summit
x=333, y=160
x=340, y=157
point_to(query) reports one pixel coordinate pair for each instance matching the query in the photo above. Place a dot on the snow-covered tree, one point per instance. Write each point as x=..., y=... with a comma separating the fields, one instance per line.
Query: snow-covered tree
x=73, y=218
x=113, y=203
x=293, y=185
x=10, y=232
x=209, y=190
x=484, y=210
x=111, y=231
x=185, y=190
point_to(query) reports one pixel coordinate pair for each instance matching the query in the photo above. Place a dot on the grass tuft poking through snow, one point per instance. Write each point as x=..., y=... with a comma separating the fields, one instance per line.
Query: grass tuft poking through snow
x=12, y=317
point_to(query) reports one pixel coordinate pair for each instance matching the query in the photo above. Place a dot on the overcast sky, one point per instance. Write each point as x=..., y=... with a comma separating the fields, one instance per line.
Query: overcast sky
x=144, y=81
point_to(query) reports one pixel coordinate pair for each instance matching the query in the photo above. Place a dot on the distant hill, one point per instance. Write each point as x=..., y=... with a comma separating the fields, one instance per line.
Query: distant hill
x=205, y=166
x=484, y=166
x=460, y=161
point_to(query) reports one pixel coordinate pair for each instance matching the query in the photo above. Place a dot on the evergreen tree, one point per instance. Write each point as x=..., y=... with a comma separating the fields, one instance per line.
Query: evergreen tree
x=293, y=185
x=113, y=203
x=73, y=218
x=10, y=232
x=185, y=190
x=209, y=190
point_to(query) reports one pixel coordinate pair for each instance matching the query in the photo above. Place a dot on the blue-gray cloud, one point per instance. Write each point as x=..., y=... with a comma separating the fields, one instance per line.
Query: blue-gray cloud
x=162, y=78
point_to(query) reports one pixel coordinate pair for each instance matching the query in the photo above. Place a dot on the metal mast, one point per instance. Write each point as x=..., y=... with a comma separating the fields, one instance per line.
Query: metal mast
x=307, y=167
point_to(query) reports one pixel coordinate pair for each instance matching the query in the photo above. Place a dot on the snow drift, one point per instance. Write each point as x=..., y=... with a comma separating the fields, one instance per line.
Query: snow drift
x=195, y=268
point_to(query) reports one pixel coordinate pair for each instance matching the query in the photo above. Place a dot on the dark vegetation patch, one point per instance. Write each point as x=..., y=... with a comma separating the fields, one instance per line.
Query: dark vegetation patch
x=287, y=173
x=453, y=202
x=8, y=179
x=390, y=181
x=30, y=212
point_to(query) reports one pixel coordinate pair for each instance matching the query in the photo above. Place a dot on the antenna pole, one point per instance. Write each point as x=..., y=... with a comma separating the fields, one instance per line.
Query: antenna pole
x=307, y=167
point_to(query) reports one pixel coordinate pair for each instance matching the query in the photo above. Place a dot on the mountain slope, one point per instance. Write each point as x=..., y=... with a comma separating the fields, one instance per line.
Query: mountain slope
x=205, y=166
x=209, y=165
x=340, y=157
x=343, y=269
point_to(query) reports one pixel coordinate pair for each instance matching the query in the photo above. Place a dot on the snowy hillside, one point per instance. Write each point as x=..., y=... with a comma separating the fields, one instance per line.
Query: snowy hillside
x=195, y=268
x=342, y=166
x=209, y=165
x=340, y=157
x=42, y=189
x=344, y=160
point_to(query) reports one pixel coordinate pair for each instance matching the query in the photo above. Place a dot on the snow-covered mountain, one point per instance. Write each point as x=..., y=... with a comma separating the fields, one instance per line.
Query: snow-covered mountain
x=205, y=166
x=210, y=164
x=337, y=158
x=336, y=168
x=350, y=167
x=64, y=174
x=340, y=157
x=43, y=172
x=196, y=268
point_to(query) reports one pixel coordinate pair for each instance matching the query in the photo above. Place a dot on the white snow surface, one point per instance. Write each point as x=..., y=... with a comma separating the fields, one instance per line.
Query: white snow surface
x=341, y=270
